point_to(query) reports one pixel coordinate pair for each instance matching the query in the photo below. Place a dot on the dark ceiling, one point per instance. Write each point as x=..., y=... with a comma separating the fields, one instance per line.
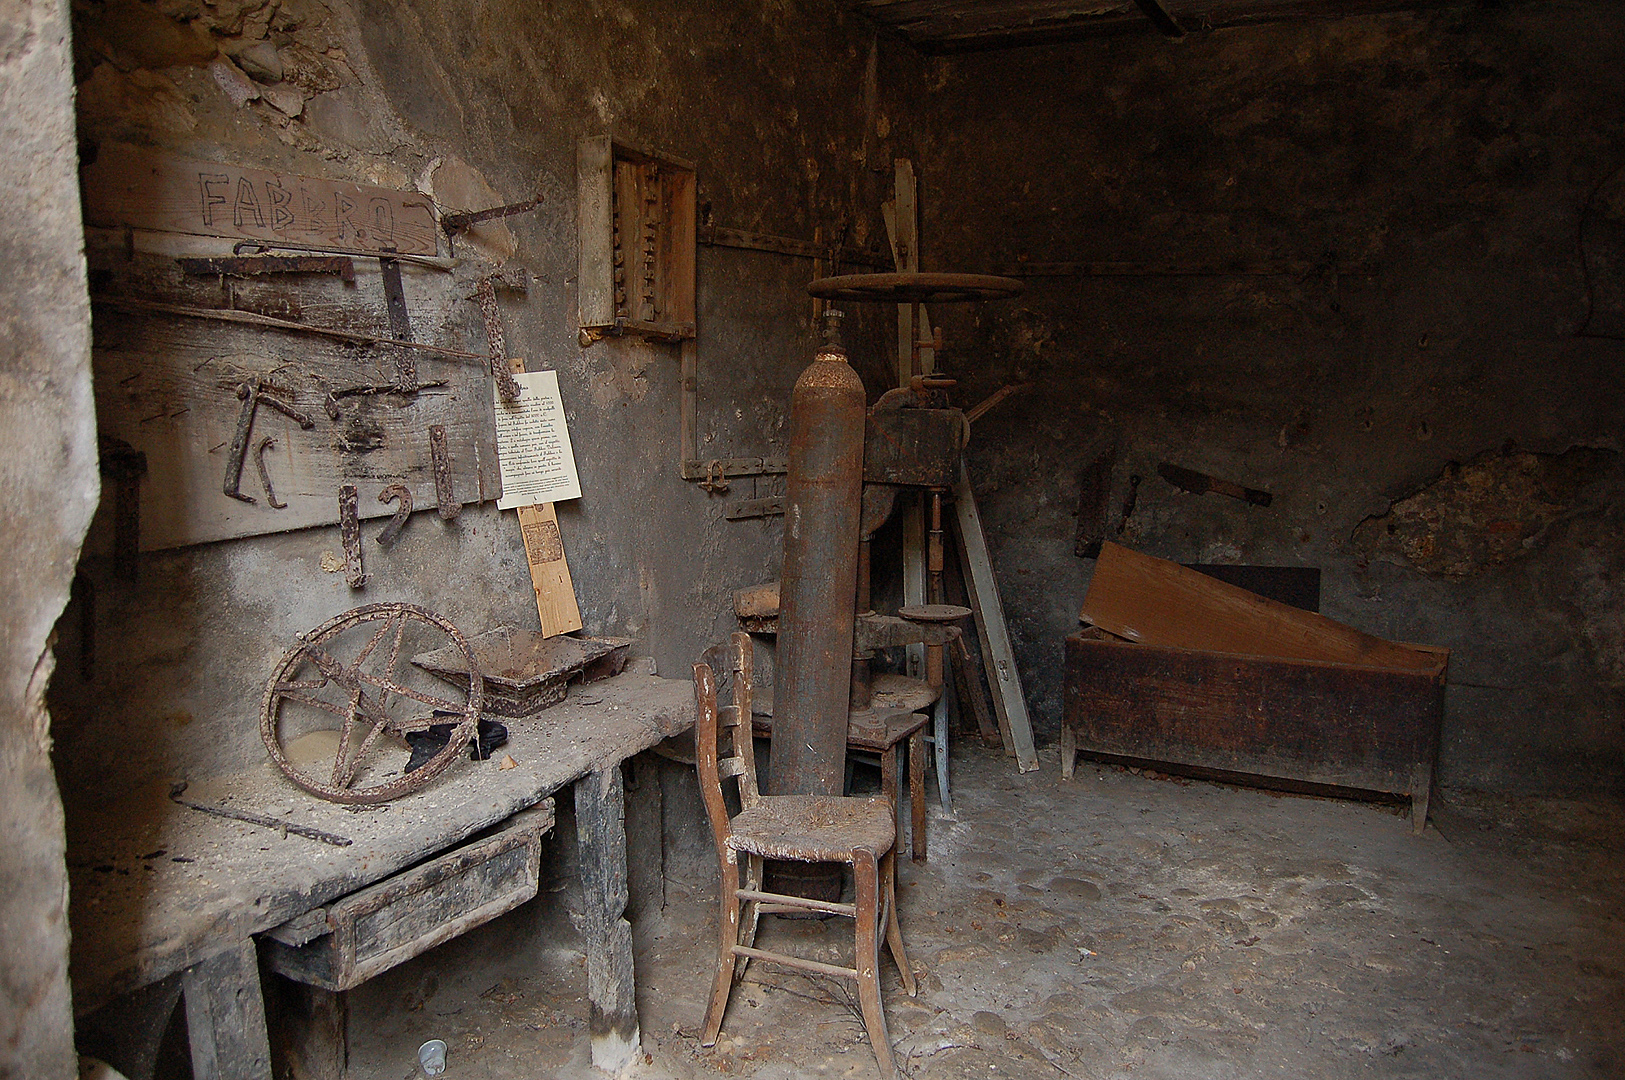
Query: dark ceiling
x=941, y=26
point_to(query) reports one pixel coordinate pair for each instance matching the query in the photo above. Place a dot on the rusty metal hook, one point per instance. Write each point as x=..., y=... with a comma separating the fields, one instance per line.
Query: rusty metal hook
x=390, y=494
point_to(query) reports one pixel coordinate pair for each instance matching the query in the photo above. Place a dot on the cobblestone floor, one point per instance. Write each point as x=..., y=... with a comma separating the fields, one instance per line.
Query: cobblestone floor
x=1118, y=925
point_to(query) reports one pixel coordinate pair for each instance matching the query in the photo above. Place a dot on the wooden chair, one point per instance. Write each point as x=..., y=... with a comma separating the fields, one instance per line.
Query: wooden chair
x=800, y=828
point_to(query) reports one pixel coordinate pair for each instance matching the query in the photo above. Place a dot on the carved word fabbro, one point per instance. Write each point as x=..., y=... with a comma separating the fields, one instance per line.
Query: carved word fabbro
x=140, y=188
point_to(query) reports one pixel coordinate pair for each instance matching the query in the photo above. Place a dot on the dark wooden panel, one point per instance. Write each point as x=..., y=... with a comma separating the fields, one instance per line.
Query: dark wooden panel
x=1295, y=586
x=913, y=446
x=1344, y=725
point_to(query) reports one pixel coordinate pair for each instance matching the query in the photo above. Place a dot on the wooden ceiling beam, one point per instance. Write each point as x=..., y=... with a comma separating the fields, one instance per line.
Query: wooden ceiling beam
x=950, y=26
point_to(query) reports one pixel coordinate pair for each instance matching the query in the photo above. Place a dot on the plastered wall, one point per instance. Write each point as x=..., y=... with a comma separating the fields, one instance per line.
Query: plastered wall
x=792, y=114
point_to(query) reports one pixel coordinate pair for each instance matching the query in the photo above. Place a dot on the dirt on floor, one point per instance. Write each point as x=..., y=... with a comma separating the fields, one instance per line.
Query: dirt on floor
x=1120, y=924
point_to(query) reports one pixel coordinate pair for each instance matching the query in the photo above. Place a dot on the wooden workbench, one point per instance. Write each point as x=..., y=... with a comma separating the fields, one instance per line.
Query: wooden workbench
x=159, y=889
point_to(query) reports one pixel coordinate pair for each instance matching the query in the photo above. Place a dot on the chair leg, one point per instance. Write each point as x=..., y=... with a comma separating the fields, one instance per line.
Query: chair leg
x=894, y=929
x=728, y=937
x=866, y=871
x=753, y=913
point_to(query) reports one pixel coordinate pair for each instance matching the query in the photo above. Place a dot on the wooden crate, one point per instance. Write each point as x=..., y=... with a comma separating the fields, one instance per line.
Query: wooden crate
x=1343, y=725
x=370, y=931
x=1178, y=668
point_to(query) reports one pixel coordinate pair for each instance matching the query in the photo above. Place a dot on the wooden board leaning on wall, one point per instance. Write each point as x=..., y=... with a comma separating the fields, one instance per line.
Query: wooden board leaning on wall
x=142, y=189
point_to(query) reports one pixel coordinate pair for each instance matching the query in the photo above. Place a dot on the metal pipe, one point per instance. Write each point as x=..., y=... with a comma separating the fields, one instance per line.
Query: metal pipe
x=818, y=586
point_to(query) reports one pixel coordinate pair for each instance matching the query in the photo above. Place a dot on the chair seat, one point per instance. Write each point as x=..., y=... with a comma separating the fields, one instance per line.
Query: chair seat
x=813, y=828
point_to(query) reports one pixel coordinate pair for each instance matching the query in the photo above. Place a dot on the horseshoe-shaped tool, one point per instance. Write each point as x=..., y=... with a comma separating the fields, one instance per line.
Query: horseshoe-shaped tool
x=267, y=443
x=390, y=494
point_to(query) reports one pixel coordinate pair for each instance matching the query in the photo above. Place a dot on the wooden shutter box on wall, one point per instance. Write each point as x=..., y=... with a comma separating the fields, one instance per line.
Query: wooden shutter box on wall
x=635, y=218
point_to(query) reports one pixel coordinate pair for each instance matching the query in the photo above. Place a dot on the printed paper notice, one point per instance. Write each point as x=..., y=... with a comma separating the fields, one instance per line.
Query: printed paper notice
x=533, y=444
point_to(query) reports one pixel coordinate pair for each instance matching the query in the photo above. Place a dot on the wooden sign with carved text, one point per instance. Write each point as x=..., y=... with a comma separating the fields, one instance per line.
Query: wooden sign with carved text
x=148, y=190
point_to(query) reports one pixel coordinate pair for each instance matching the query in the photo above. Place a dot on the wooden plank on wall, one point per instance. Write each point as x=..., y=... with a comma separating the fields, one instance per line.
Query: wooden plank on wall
x=902, y=228
x=144, y=189
x=679, y=256
x=170, y=391
x=1156, y=602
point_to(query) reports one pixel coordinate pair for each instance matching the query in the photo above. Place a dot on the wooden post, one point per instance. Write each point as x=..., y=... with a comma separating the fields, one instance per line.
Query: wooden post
x=549, y=571
x=225, y=1016
x=1008, y=699
x=601, y=849
x=902, y=226
x=309, y=1030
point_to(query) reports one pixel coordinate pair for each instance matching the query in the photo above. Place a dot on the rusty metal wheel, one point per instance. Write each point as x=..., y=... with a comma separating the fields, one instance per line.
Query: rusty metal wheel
x=338, y=670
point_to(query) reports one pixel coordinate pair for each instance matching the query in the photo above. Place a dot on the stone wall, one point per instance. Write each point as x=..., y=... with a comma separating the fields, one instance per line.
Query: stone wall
x=48, y=485
x=1415, y=348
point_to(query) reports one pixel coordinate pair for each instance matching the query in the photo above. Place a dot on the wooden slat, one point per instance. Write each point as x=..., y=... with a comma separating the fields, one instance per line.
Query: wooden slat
x=1156, y=602
x=595, y=277
x=798, y=902
x=743, y=240
x=556, y=604
x=1008, y=698
x=601, y=850
x=939, y=26
x=796, y=962
x=680, y=255
x=928, y=20
x=902, y=230
x=144, y=189
x=225, y=1016
x=909, y=12
x=1233, y=268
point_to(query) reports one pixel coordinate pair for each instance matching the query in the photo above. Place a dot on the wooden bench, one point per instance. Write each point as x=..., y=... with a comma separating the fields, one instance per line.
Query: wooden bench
x=168, y=902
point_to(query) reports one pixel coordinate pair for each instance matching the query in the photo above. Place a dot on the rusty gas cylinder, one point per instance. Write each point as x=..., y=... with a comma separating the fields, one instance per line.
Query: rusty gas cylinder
x=817, y=591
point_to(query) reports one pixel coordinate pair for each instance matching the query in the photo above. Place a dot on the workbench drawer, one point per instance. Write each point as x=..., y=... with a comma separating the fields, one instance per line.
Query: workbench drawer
x=370, y=931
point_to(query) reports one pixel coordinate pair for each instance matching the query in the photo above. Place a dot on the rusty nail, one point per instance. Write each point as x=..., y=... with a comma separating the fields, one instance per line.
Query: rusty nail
x=449, y=508
x=350, y=534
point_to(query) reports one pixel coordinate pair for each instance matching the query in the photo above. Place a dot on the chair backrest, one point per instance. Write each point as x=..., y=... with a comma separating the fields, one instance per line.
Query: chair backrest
x=724, y=747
